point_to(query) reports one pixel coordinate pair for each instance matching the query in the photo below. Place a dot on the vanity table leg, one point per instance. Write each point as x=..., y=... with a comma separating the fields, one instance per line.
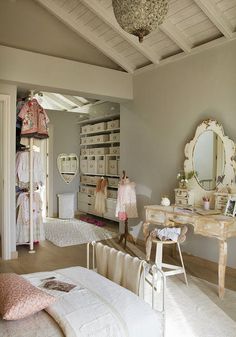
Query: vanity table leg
x=222, y=267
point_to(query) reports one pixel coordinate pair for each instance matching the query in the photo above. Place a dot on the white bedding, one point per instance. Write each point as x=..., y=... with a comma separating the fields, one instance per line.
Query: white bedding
x=98, y=307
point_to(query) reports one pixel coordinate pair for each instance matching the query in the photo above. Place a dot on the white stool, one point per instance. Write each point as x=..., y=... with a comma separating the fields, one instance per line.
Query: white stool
x=173, y=269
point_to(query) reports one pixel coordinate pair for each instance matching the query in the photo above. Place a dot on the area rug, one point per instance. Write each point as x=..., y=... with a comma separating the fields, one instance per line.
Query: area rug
x=65, y=233
x=196, y=310
x=92, y=220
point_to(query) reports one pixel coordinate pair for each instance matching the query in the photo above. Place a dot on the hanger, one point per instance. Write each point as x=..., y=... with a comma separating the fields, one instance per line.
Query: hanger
x=124, y=178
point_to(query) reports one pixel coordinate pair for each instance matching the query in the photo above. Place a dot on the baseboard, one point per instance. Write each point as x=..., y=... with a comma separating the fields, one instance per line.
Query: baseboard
x=14, y=255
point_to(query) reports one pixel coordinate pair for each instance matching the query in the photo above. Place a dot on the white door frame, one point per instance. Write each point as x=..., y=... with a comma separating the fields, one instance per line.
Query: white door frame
x=49, y=173
x=6, y=200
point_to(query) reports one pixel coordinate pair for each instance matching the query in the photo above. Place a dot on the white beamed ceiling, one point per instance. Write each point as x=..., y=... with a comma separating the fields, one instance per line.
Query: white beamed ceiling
x=190, y=26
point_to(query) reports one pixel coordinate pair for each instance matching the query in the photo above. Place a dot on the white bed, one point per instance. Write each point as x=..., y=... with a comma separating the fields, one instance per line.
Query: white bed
x=97, y=307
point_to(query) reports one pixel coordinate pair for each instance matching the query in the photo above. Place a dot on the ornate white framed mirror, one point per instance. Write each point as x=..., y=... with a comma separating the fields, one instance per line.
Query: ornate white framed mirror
x=67, y=165
x=210, y=155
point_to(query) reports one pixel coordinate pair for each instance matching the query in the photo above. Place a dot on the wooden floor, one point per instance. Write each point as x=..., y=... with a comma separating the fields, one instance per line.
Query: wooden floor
x=50, y=257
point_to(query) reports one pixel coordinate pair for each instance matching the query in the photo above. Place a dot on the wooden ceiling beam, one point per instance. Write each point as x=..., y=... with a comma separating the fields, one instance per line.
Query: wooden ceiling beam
x=110, y=20
x=176, y=36
x=216, y=16
x=81, y=29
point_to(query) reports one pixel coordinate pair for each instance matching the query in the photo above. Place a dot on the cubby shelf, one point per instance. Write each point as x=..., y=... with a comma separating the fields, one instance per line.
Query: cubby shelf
x=99, y=132
x=102, y=137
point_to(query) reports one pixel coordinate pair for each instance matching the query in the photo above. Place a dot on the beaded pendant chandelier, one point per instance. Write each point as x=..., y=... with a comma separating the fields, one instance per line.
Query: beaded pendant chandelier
x=140, y=17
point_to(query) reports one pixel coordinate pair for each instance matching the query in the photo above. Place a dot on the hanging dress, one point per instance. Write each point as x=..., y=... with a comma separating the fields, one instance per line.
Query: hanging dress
x=100, y=196
x=23, y=218
x=126, y=206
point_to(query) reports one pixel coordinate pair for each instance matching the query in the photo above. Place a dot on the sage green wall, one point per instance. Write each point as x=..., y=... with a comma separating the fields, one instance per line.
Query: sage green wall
x=65, y=139
x=168, y=105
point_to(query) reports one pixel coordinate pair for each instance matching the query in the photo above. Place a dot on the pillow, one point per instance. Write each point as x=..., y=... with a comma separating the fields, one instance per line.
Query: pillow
x=19, y=298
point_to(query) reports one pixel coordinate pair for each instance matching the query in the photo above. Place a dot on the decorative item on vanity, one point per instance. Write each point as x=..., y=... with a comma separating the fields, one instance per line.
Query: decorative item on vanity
x=206, y=203
x=184, y=197
x=184, y=177
x=165, y=201
x=126, y=205
x=67, y=165
x=211, y=154
x=140, y=17
x=230, y=209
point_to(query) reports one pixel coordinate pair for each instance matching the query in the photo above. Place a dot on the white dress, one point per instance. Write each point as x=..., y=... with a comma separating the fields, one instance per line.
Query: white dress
x=22, y=169
x=100, y=201
x=22, y=222
x=126, y=201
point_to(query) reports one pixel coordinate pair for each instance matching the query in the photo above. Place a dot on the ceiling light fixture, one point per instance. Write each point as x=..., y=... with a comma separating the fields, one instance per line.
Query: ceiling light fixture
x=140, y=17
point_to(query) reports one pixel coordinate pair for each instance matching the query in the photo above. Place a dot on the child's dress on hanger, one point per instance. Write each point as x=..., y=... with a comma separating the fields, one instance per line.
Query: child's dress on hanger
x=100, y=196
x=126, y=206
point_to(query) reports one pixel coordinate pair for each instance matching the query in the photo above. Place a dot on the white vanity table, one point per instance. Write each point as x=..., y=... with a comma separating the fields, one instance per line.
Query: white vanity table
x=210, y=154
x=219, y=227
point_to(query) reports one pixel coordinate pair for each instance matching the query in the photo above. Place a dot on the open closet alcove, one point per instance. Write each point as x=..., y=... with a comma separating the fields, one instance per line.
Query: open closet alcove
x=80, y=148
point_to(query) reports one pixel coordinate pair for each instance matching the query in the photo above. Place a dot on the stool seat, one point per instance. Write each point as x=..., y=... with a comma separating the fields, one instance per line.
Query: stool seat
x=171, y=269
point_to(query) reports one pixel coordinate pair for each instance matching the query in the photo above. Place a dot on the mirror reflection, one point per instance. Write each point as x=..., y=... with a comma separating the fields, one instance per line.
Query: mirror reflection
x=209, y=160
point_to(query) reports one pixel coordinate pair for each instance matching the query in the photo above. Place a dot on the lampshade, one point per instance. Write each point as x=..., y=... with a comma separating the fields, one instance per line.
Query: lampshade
x=140, y=17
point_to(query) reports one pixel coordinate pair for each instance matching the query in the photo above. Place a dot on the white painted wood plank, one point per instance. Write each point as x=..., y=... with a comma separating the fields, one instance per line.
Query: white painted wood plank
x=110, y=20
x=216, y=16
x=205, y=36
x=176, y=35
x=226, y=4
x=70, y=5
x=176, y=7
x=196, y=50
x=88, y=35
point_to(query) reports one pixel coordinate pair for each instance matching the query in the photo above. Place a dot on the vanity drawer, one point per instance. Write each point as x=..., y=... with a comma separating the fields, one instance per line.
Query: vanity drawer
x=181, y=193
x=181, y=201
x=155, y=216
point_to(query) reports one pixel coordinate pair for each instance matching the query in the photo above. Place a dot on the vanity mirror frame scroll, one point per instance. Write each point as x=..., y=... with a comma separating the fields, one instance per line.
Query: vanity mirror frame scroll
x=69, y=172
x=228, y=183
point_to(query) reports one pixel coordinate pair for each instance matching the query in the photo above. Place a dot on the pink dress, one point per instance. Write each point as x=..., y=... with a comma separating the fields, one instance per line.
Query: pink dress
x=34, y=120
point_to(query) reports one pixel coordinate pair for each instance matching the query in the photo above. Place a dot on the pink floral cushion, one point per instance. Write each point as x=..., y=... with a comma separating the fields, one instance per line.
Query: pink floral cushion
x=19, y=298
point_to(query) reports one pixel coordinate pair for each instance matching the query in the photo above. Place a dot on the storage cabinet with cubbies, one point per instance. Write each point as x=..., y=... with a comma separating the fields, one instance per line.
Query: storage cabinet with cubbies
x=99, y=156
